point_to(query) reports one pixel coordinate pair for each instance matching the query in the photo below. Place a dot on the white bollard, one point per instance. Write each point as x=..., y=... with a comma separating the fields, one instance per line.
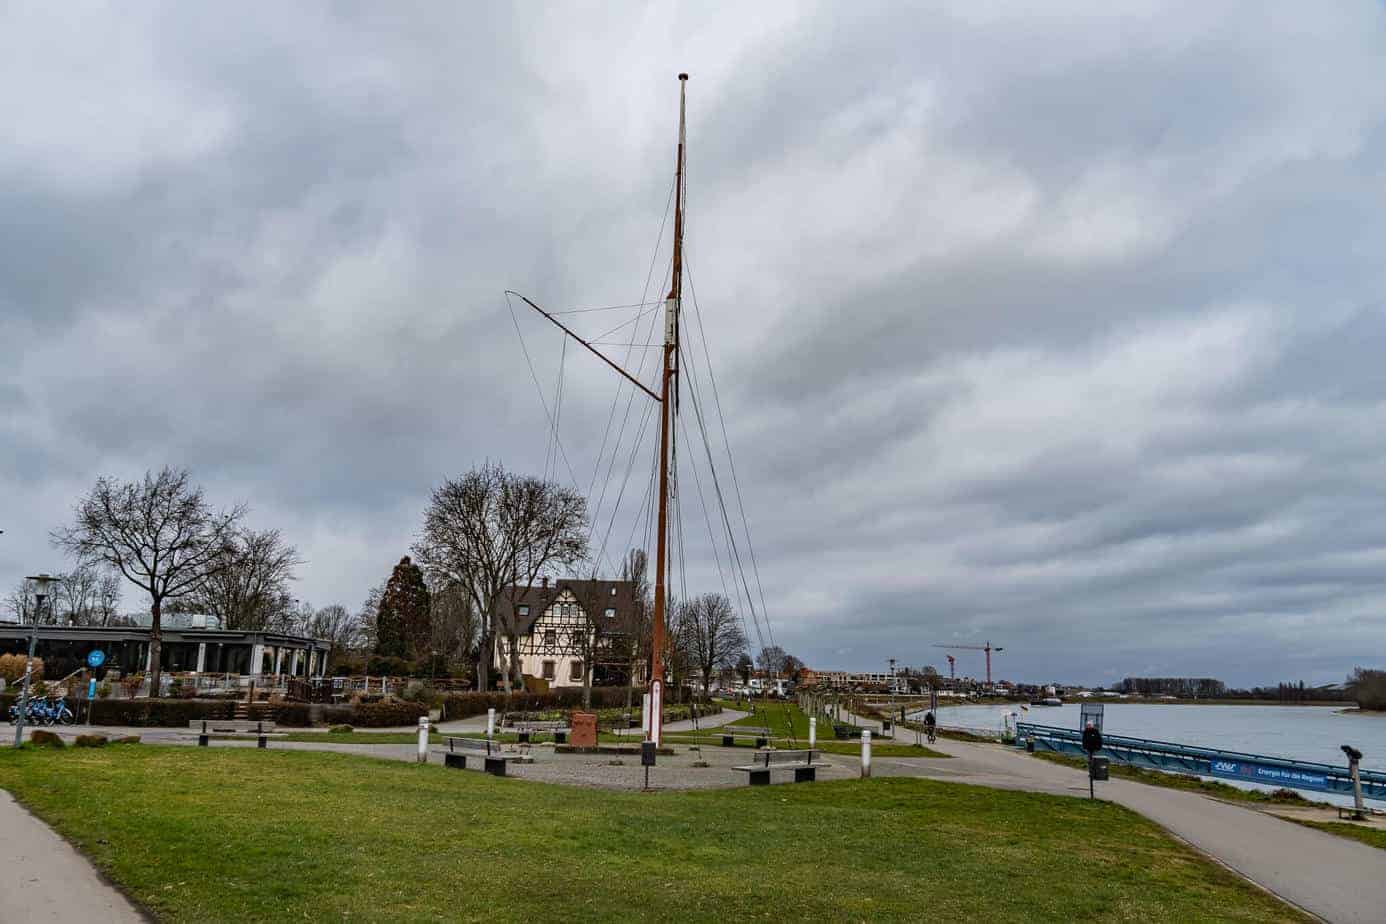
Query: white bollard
x=813, y=731
x=423, y=739
x=865, y=753
x=491, y=722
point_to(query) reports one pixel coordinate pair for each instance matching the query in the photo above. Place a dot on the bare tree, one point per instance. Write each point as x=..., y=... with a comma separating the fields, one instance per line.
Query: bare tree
x=456, y=625
x=771, y=660
x=714, y=634
x=106, y=606
x=19, y=603
x=638, y=630
x=249, y=589
x=365, y=617
x=335, y=625
x=161, y=535
x=75, y=597
x=494, y=532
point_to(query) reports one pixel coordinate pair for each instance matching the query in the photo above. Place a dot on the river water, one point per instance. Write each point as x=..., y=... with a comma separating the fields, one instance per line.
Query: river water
x=1312, y=733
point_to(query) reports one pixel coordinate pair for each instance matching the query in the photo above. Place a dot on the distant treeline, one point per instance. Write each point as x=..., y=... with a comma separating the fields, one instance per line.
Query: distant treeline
x=1368, y=687
x=1183, y=687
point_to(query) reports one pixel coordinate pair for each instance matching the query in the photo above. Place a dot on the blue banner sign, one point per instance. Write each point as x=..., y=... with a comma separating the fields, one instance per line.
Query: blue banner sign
x=1271, y=776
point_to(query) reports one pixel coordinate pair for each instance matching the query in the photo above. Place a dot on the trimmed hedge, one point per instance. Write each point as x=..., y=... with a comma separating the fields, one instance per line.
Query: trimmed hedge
x=464, y=705
x=156, y=713
x=382, y=715
x=177, y=713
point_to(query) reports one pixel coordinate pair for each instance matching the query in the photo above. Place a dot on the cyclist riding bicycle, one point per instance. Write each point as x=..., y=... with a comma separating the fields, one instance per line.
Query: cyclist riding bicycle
x=930, y=724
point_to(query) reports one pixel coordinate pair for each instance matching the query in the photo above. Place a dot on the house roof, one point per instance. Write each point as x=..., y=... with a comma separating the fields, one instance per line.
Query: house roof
x=595, y=597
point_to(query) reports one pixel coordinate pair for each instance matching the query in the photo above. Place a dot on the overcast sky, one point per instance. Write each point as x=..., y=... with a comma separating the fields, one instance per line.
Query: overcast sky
x=1059, y=325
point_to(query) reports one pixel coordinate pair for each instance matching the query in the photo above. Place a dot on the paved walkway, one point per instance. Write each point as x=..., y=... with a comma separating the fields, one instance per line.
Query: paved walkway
x=1339, y=880
x=42, y=878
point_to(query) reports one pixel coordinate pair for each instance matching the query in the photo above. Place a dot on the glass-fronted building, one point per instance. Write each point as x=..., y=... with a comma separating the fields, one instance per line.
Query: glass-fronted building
x=265, y=657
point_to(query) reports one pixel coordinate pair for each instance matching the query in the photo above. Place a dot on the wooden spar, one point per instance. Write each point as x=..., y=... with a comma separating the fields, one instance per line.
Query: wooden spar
x=598, y=353
x=668, y=383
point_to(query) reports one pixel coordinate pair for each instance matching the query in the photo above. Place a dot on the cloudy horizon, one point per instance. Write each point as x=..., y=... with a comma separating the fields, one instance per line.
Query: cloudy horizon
x=1056, y=328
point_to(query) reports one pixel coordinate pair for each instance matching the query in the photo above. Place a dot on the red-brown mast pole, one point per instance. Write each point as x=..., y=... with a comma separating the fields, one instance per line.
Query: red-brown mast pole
x=668, y=384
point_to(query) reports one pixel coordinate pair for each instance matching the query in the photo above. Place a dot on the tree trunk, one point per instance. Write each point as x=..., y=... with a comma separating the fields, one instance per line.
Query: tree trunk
x=517, y=680
x=485, y=653
x=156, y=635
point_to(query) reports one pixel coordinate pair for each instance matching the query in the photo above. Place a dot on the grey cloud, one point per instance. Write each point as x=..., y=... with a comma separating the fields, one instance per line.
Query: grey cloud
x=1060, y=330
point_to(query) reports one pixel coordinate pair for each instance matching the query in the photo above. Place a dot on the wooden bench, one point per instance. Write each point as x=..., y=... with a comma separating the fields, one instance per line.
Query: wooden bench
x=493, y=761
x=558, y=729
x=762, y=735
x=208, y=729
x=801, y=762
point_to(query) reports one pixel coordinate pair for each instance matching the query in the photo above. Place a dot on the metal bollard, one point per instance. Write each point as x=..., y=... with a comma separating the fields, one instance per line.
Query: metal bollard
x=423, y=739
x=491, y=722
x=865, y=753
x=813, y=732
x=202, y=738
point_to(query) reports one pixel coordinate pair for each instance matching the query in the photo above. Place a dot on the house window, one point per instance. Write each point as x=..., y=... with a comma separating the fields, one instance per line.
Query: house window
x=613, y=591
x=524, y=611
x=611, y=612
x=550, y=638
x=549, y=670
x=575, y=671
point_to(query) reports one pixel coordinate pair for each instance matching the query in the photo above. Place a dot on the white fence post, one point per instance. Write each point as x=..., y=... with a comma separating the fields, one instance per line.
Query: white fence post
x=423, y=739
x=865, y=753
x=813, y=731
x=491, y=722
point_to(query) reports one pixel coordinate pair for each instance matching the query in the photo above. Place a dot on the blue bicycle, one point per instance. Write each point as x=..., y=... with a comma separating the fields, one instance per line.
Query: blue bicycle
x=42, y=711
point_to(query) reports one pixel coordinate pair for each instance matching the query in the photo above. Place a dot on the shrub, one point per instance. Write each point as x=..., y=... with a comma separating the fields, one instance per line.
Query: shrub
x=103, y=690
x=45, y=739
x=463, y=705
x=90, y=741
x=391, y=667
x=155, y=713
x=127, y=739
x=387, y=714
x=416, y=691
x=340, y=729
x=291, y=715
x=12, y=667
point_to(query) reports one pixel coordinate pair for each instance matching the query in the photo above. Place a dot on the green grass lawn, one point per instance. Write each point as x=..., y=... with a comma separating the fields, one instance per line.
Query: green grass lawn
x=780, y=717
x=244, y=834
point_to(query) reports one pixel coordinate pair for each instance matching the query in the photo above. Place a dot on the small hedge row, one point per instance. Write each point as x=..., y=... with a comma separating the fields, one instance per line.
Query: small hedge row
x=465, y=705
x=157, y=713
x=177, y=713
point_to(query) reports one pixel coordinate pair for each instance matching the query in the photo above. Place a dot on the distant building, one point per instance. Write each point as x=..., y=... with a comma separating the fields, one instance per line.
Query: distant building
x=266, y=657
x=563, y=624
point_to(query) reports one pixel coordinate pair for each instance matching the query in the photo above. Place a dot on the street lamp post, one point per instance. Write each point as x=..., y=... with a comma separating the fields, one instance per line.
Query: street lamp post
x=41, y=582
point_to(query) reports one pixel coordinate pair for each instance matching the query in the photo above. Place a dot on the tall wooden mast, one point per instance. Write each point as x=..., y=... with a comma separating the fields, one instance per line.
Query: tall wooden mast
x=667, y=409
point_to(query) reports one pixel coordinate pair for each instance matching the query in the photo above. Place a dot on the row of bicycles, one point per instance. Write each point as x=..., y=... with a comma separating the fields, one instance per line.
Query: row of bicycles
x=44, y=711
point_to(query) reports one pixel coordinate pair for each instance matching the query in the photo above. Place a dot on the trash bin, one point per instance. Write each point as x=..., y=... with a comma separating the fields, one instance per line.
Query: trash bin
x=1100, y=769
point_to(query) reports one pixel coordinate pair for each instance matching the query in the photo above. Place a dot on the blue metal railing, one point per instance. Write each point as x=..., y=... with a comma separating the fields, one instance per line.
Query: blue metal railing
x=1187, y=758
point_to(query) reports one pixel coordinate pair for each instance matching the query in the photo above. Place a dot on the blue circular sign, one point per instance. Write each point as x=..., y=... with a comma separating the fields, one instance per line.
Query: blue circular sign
x=96, y=658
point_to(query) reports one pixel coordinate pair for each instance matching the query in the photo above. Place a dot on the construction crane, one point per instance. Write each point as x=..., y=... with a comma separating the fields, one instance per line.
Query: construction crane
x=987, y=648
x=951, y=661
